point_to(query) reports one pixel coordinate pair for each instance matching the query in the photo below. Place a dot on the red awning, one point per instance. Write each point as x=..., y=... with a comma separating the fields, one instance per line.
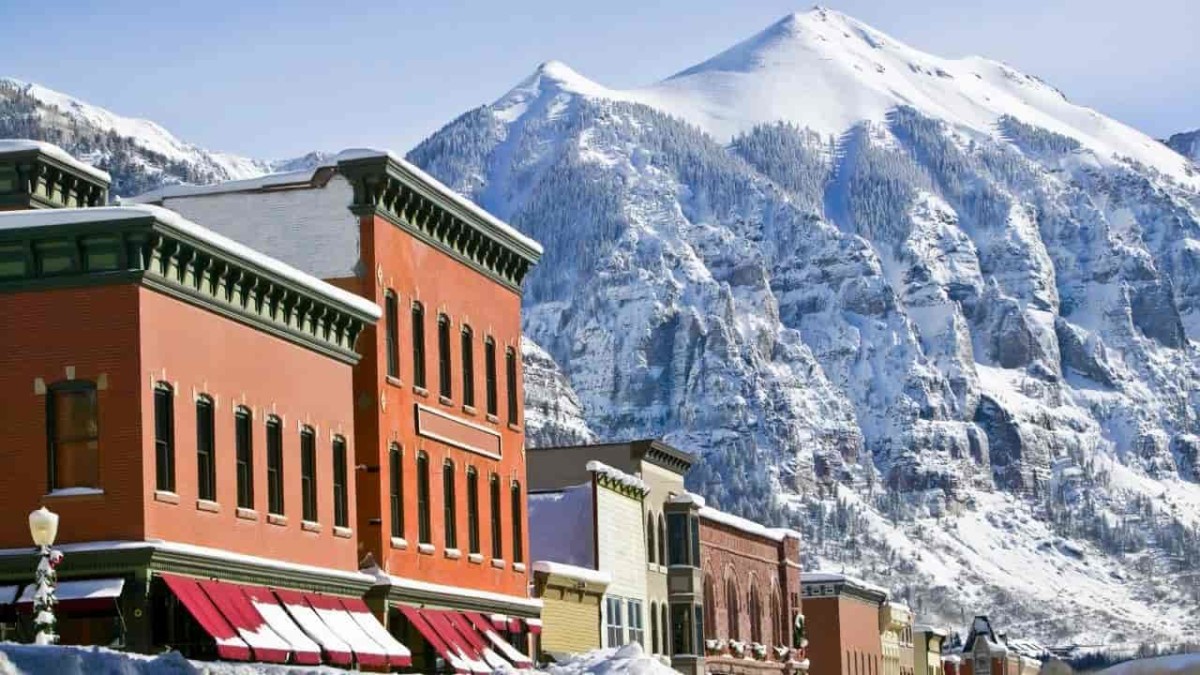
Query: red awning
x=336, y=648
x=499, y=621
x=249, y=624
x=500, y=644
x=466, y=651
x=367, y=652
x=515, y=625
x=398, y=654
x=435, y=638
x=229, y=645
x=534, y=626
x=305, y=651
x=477, y=642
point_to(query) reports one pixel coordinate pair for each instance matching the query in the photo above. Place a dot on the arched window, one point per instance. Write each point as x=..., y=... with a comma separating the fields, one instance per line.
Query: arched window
x=666, y=630
x=662, y=541
x=651, y=547
x=755, y=609
x=778, y=625
x=731, y=609
x=653, y=628
x=710, y=608
x=73, y=438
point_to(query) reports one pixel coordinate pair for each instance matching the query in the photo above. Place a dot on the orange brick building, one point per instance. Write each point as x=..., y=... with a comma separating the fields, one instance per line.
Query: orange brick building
x=842, y=620
x=441, y=494
x=185, y=404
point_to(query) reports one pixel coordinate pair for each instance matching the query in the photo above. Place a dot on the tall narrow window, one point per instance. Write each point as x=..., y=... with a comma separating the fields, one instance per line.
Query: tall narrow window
x=424, y=535
x=662, y=540
x=275, y=466
x=396, y=480
x=468, y=366
x=418, y=344
x=164, y=437
x=73, y=435
x=666, y=630
x=206, y=460
x=489, y=366
x=341, y=491
x=449, y=505
x=242, y=426
x=755, y=608
x=444, y=387
x=651, y=547
x=510, y=367
x=392, y=333
x=308, y=474
x=497, y=542
x=518, y=547
x=731, y=609
x=472, y=510
x=615, y=629
x=710, y=608
x=653, y=628
x=637, y=630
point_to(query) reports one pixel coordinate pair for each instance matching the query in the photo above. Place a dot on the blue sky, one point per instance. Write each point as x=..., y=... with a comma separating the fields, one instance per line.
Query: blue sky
x=279, y=79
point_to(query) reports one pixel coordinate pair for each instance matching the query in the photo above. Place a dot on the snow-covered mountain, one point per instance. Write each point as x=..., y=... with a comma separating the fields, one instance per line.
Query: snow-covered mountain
x=927, y=310
x=139, y=154
x=1186, y=143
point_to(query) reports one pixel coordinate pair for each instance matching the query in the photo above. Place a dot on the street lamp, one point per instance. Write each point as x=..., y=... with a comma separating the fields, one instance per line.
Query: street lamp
x=43, y=527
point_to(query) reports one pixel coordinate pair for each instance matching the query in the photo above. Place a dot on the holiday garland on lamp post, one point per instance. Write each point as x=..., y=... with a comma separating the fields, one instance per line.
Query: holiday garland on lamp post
x=43, y=527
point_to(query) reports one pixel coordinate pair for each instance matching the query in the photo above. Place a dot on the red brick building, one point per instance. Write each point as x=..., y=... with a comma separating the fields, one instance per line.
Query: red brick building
x=751, y=581
x=842, y=617
x=185, y=404
x=441, y=494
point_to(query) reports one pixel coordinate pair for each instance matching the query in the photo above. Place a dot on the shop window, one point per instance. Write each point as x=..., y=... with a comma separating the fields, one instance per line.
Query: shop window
x=243, y=422
x=206, y=461
x=164, y=437
x=73, y=435
x=341, y=490
x=308, y=474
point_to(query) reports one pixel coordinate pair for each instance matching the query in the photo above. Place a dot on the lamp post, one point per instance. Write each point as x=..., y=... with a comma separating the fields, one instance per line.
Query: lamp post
x=43, y=527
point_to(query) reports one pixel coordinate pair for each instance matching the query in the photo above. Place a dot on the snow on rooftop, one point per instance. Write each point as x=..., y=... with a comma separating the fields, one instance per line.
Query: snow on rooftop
x=618, y=476
x=348, y=155
x=50, y=217
x=687, y=498
x=14, y=145
x=572, y=571
x=746, y=525
x=835, y=577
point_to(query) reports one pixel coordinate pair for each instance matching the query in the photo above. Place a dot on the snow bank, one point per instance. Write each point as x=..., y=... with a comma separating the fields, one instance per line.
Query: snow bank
x=628, y=660
x=63, y=660
x=1160, y=665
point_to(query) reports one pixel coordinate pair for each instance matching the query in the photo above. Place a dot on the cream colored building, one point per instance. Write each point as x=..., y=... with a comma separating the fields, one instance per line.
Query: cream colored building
x=927, y=650
x=571, y=598
x=896, y=638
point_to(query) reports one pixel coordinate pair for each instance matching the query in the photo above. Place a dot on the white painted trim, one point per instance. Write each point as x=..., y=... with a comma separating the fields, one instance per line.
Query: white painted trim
x=458, y=444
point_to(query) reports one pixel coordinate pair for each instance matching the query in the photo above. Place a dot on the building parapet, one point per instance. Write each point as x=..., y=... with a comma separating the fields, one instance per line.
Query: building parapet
x=40, y=175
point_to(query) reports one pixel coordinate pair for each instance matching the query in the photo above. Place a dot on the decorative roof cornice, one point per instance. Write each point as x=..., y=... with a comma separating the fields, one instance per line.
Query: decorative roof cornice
x=40, y=176
x=136, y=245
x=387, y=186
x=657, y=452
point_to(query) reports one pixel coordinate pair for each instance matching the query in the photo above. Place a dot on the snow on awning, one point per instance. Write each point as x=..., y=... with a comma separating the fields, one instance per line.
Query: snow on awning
x=80, y=595
x=514, y=625
x=200, y=606
x=476, y=641
x=305, y=651
x=445, y=649
x=508, y=651
x=462, y=648
x=397, y=653
x=337, y=649
x=499, y=621
x=534, y=625
x=249, y=624
x=366, y=651
x=8, y=594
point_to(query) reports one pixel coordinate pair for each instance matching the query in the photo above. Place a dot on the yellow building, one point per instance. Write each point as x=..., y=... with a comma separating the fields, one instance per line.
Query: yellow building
x=896, y=638
x=571, y=598
x=927, y=650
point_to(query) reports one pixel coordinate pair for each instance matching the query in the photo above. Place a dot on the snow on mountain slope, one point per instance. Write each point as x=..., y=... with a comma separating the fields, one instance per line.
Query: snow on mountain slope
x=140, y=154
x=826, y=72
x=1187, y=144
x=941, y=323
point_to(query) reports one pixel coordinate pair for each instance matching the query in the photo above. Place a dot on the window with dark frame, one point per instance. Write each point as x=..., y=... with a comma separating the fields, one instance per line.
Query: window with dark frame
x=73, y=435
x=489, y=366
x=651, y=547
x=468, y=367
x=392, y=333
x=418, y=344
x=308, y=474
x=518, y=548
x=341, y=490
x=206, y=460
x=497, y=542
x=164, y=437
x=472, y=510
x=396, y=480
x=275, y=466
x=449, y=505
x=510, y=367
x=243, y=422
x=444, y=374
x=424, y=526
